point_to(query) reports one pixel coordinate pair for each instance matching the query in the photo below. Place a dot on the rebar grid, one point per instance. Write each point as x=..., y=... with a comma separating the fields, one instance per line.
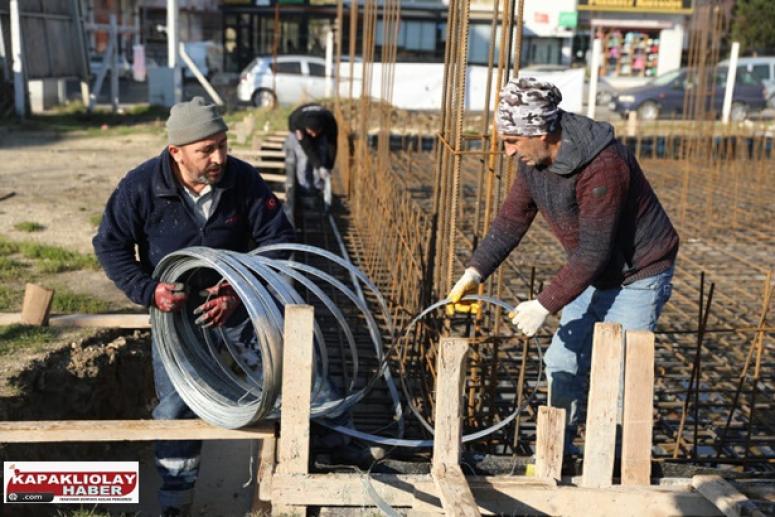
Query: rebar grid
x=417, y=216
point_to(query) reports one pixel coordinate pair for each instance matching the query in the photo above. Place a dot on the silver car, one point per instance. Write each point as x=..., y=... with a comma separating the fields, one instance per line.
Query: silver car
x=287, y=79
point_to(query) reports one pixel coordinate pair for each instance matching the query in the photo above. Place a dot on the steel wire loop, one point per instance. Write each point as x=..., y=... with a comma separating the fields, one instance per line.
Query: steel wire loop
x=230, y=376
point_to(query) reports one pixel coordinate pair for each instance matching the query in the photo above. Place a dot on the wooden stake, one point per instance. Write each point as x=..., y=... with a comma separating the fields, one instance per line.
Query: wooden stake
x=454, y=492
x=293, y=453
x=449, y=388
x=36, y=305
x=638, y=408
x=550, y=442
x=605, y=379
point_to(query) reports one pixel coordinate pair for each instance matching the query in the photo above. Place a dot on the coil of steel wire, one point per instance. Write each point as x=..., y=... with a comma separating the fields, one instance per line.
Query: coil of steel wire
x=230, y=376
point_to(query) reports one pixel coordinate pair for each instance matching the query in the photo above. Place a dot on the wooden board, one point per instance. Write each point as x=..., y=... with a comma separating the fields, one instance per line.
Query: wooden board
x=273, y=178
x=508, y=495
x=605, y=378
x=262, y=165
x=450, y=368
x=550, y=442
x=124, y=430
x=36, y=305
x=117, y=321
x=724, y=496
x=638, y=418
x=454, y=492
x=293, y=454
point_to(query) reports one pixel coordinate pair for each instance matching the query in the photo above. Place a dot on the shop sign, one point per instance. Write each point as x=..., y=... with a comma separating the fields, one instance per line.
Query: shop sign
x=568, y=20
x=667, y=6
x=541, y=18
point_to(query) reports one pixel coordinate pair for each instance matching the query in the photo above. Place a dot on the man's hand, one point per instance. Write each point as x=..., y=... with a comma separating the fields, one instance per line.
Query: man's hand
x=221, y=303
x=168, y=297
x=529, y=316
x=465, y=285
x=324, y=173
x=299, y=135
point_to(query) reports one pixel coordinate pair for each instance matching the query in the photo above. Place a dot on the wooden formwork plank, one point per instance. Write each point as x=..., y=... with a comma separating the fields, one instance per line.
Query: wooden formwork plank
x=273, y=178
x=256, y=154
x=266, y=465
x=296, y=389
x=724, y=496
x=268, y=165
x=497, y=494
x=448, y=430
x=604, y=385
x=124, y=430
x=36, y=305
x=117, y=321
x=270, y=146
x=454, y=492
x=550, y=442
x=638, y=418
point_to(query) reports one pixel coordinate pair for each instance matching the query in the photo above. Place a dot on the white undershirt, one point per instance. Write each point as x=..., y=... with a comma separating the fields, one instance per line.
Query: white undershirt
x=202, y=202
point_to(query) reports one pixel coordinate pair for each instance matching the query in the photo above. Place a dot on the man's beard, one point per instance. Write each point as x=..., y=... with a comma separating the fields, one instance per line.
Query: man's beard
x=205, y=179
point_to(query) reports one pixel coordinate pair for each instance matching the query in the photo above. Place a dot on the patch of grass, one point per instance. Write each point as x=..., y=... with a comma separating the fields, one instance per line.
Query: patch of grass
x=73, y=117
x=10, y=268
x=10, y=299
x=13, y=337
x=49, y=259
x=95, y=219
x=69, y=302
x=29, y=226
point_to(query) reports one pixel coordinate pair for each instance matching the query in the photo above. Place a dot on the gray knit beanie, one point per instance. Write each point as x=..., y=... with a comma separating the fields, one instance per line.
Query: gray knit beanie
x=192, y=121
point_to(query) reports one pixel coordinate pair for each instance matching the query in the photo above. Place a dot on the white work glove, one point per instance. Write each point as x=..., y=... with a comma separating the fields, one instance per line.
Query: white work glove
x=529, y=316
x=324, y=173
x=465, y=285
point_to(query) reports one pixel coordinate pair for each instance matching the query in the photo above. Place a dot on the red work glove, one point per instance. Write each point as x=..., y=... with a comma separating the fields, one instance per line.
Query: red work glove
x=221, y=303
x=168, y=297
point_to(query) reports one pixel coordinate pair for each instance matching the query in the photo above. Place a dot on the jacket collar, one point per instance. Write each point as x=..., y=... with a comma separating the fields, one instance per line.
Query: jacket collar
x=165, y=183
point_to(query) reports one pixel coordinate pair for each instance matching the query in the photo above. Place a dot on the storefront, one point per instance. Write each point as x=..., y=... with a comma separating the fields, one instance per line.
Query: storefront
x=641, y=39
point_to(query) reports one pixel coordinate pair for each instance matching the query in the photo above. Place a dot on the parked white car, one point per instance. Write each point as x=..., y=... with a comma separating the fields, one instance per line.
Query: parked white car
x=290, y=79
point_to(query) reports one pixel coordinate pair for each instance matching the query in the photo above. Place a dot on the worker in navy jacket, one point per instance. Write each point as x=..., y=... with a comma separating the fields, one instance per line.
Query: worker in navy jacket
x=192, y=194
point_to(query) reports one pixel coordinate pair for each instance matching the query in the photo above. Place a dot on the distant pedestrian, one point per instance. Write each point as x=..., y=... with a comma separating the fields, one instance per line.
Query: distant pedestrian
x=310, y=154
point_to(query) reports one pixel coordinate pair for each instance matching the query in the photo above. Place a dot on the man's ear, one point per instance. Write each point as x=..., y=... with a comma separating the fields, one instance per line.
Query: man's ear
x=174, y=151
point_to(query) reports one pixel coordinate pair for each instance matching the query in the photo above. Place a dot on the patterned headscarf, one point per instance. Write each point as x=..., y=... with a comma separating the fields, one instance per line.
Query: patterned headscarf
x=528, y=107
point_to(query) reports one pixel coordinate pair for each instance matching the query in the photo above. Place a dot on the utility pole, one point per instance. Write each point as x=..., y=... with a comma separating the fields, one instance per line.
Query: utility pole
x=173, y=38
x=19, y=82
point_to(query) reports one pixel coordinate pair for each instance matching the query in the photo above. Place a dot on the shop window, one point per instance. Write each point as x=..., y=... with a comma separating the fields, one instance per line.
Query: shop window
x=629, y=53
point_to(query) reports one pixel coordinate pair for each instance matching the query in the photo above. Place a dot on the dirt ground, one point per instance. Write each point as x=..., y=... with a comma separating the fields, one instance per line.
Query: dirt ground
x=63, y=183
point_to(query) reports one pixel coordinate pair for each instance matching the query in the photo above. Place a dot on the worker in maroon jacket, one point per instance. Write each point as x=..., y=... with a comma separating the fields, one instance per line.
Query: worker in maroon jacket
x=619, y=242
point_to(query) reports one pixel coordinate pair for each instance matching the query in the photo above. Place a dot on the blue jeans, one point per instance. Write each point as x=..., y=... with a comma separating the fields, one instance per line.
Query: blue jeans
x=636, y=306
x=177, y=461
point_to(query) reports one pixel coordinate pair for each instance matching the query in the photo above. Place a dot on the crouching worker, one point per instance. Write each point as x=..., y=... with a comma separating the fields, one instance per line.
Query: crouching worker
x=310, y=153
x=619, y=242
x=192, y=194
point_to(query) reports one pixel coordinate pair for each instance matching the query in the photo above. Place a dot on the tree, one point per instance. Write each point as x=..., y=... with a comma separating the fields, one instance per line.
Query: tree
x=753, y=25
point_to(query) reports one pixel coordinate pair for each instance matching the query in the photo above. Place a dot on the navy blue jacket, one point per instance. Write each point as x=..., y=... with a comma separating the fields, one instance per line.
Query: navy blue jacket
x=147, y=209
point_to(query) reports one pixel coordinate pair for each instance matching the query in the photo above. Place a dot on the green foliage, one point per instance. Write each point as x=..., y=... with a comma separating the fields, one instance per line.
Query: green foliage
x=14, y=337
x=11, y=269
x=68, y=302
x=753, y=26
x=29, y=226
x=49, y=259
x=10, y=299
